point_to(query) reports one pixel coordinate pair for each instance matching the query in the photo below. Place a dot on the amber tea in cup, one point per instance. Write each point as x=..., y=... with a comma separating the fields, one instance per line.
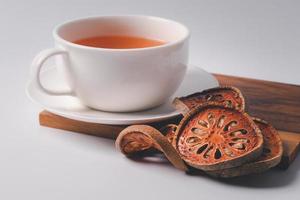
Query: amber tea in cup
x=118, y=42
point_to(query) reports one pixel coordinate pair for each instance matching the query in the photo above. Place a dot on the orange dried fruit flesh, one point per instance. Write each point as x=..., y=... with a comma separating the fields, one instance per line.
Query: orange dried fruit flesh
x=227, y=96
x=270, y=157
x=214, y=137
x=137, y=138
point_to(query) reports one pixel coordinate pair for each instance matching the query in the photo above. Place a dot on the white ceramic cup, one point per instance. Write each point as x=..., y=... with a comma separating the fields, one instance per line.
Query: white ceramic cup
x=118, y=80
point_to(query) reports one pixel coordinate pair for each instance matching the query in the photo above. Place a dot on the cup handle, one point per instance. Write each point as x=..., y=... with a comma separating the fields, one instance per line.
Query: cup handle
x=36, y=67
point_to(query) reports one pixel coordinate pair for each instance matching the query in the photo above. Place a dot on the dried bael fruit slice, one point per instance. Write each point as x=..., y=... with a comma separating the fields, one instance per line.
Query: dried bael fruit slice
x=227, y=96
x=213, y=137
x=271, y=156
x=141, y=137
x=169, y=131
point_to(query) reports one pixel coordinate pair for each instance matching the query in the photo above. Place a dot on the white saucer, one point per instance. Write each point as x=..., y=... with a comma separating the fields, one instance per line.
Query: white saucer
x=195, y=80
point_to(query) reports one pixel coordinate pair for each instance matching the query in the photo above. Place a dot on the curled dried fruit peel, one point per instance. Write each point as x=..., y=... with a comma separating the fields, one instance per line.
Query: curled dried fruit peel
x=270, y=157
x=137, y=138
x=225, y=95
x=136, y=142
x=214, y=137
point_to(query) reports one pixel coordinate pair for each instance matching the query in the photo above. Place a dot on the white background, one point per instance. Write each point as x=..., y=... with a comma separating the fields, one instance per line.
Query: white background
x=258, y=38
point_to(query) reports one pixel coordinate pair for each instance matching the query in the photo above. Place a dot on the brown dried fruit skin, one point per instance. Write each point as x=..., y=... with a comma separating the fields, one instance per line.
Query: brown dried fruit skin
x=213, y=137
x=271, y=156
x=141, y=137
x=169, y=131
x=227, y=96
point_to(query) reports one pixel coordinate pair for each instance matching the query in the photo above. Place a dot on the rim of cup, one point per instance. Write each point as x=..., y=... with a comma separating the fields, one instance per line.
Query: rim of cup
x=168, y=44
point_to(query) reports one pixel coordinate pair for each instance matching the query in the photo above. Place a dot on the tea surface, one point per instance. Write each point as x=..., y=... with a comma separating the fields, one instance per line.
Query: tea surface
x=118, y=42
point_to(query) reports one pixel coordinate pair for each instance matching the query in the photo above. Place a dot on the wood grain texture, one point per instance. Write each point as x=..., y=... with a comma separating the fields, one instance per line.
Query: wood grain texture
x=101, y=130
x=284, y=135
x=277, y=103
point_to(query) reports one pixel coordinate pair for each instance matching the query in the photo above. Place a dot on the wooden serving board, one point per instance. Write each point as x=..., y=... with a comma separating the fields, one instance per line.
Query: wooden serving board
x=276, y=103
